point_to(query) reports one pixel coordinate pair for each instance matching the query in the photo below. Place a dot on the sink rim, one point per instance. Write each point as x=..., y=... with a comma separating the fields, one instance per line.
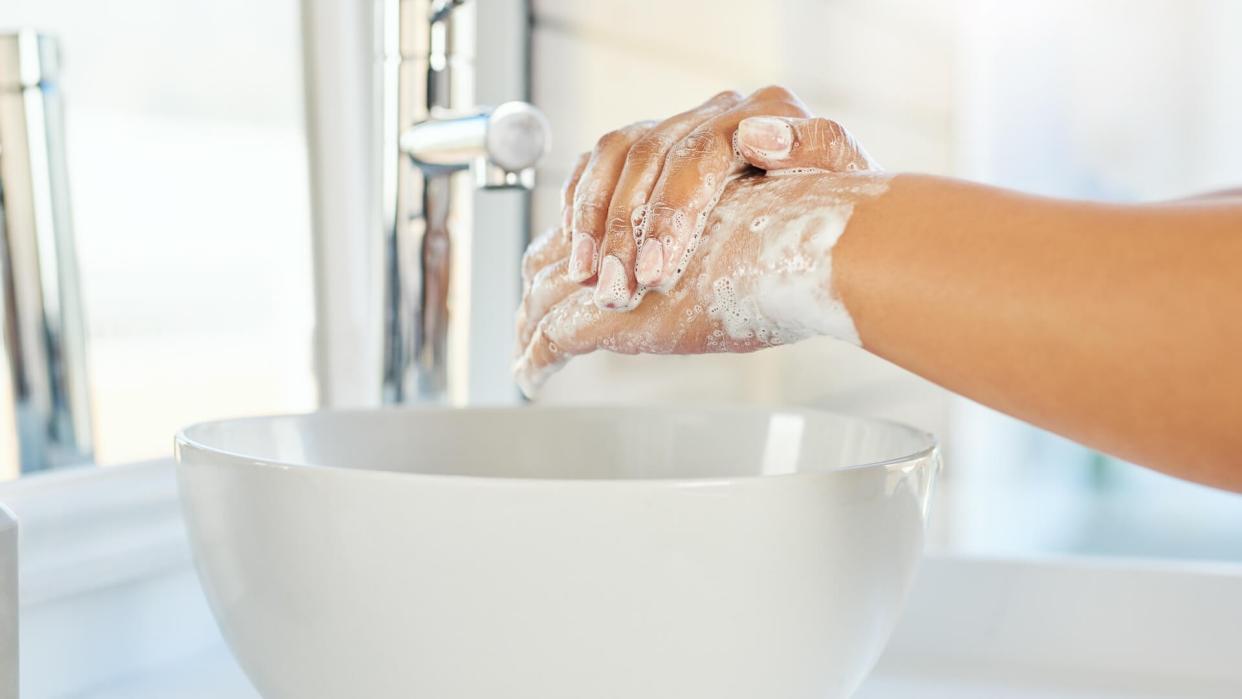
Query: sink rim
x=186, y=439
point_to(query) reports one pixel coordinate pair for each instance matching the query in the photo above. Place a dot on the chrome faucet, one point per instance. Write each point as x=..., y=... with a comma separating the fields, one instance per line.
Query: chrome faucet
x=432, y=130
x=44, y=402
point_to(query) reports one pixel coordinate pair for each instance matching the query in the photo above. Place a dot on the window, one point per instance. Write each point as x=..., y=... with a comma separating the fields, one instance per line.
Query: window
x=187, y=163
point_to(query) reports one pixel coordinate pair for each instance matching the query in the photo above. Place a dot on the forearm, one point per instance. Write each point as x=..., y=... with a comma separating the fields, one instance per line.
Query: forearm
x=1115, y=326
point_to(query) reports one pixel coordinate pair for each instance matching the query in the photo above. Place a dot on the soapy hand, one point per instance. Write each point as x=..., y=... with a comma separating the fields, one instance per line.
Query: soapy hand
x=757, y=259
x=638, y=203
x=762, y=276
x=945, y=278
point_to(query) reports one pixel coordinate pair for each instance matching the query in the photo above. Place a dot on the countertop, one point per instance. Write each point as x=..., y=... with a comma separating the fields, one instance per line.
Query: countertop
x=215, y=675
x=111, y=609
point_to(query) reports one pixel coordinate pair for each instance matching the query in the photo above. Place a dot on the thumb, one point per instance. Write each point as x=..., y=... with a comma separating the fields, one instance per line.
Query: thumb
x=779, y=143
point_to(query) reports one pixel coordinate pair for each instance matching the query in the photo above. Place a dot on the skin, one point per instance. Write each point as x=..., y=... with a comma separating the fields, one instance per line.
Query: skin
x=1115, y=325
x=559, y=318
x=651, y=182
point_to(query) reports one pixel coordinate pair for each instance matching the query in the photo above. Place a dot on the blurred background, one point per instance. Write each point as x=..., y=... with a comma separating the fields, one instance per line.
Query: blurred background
x=187, y=154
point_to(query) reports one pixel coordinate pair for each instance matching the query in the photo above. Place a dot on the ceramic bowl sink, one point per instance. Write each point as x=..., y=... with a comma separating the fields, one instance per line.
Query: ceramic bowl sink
x=528, y=553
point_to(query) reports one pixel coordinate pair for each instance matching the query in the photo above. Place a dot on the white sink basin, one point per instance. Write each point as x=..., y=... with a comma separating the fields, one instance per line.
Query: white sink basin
x=527, y=553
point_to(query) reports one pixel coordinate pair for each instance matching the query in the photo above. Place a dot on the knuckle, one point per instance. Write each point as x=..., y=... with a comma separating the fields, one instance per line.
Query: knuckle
x=663, y=219
x=590, y=195
x=532, y=262
x=617, y=138
x=528, y=262
x=827, y=137
x=772, y=93
x=828, y=129
x=617, y=229
x=544, y=275
x=700, y=142
x=533, y=249
x=587, y=212
x=661, y=210
x=553, y=333
x=648, y=148
x=726, y=96
x=590, y=203
x=544, y=329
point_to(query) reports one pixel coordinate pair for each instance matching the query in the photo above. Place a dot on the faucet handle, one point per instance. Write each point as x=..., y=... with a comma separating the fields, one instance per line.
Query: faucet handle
x=502, y=146
x=518, y=136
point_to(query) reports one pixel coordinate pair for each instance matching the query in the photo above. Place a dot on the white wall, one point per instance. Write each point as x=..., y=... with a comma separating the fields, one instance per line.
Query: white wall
x=1098, y=99
x=1126, y=101
x=885, y=69
x=600, y=65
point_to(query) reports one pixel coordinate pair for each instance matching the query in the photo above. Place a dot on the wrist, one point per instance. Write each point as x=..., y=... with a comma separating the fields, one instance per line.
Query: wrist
x=887, y=248
x=806, y=294
x=771, y=266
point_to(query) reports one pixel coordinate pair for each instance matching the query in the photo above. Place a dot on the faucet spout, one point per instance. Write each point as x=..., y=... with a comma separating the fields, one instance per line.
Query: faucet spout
x=433, y=132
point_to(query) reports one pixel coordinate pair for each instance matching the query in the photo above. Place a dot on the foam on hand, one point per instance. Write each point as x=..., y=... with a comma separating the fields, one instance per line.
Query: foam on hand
x=782, y=290
x=758, y=274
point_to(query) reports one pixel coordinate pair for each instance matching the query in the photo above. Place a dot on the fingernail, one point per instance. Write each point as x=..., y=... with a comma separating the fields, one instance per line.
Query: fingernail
x=650, y=262
x=582, y=257
x=771, y=136
x=613, y=289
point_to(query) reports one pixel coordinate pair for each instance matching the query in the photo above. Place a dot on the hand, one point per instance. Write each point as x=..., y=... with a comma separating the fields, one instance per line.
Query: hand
x=640, y=201
x=762, y=276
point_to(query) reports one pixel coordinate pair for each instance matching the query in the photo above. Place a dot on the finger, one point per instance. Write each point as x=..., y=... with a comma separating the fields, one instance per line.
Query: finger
x=781, y=143
x=566, y=331
x=549, y=287
x=569, y=189
x=694, y=175
x=616, y=287
x=545, y=250
x=592, y=195
x=539, y=361
x=552, y=245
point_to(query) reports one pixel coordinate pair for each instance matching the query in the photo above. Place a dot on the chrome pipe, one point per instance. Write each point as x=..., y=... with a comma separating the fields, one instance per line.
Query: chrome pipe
x=416, y=238
x=432, y=132
x=41, y=315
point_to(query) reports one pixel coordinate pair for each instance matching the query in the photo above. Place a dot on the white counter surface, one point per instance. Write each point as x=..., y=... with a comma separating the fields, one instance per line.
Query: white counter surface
x=110, y=608
x=214, y=675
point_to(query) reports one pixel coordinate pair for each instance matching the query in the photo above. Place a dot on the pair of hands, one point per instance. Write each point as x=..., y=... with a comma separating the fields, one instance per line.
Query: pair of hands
x=654, y=202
